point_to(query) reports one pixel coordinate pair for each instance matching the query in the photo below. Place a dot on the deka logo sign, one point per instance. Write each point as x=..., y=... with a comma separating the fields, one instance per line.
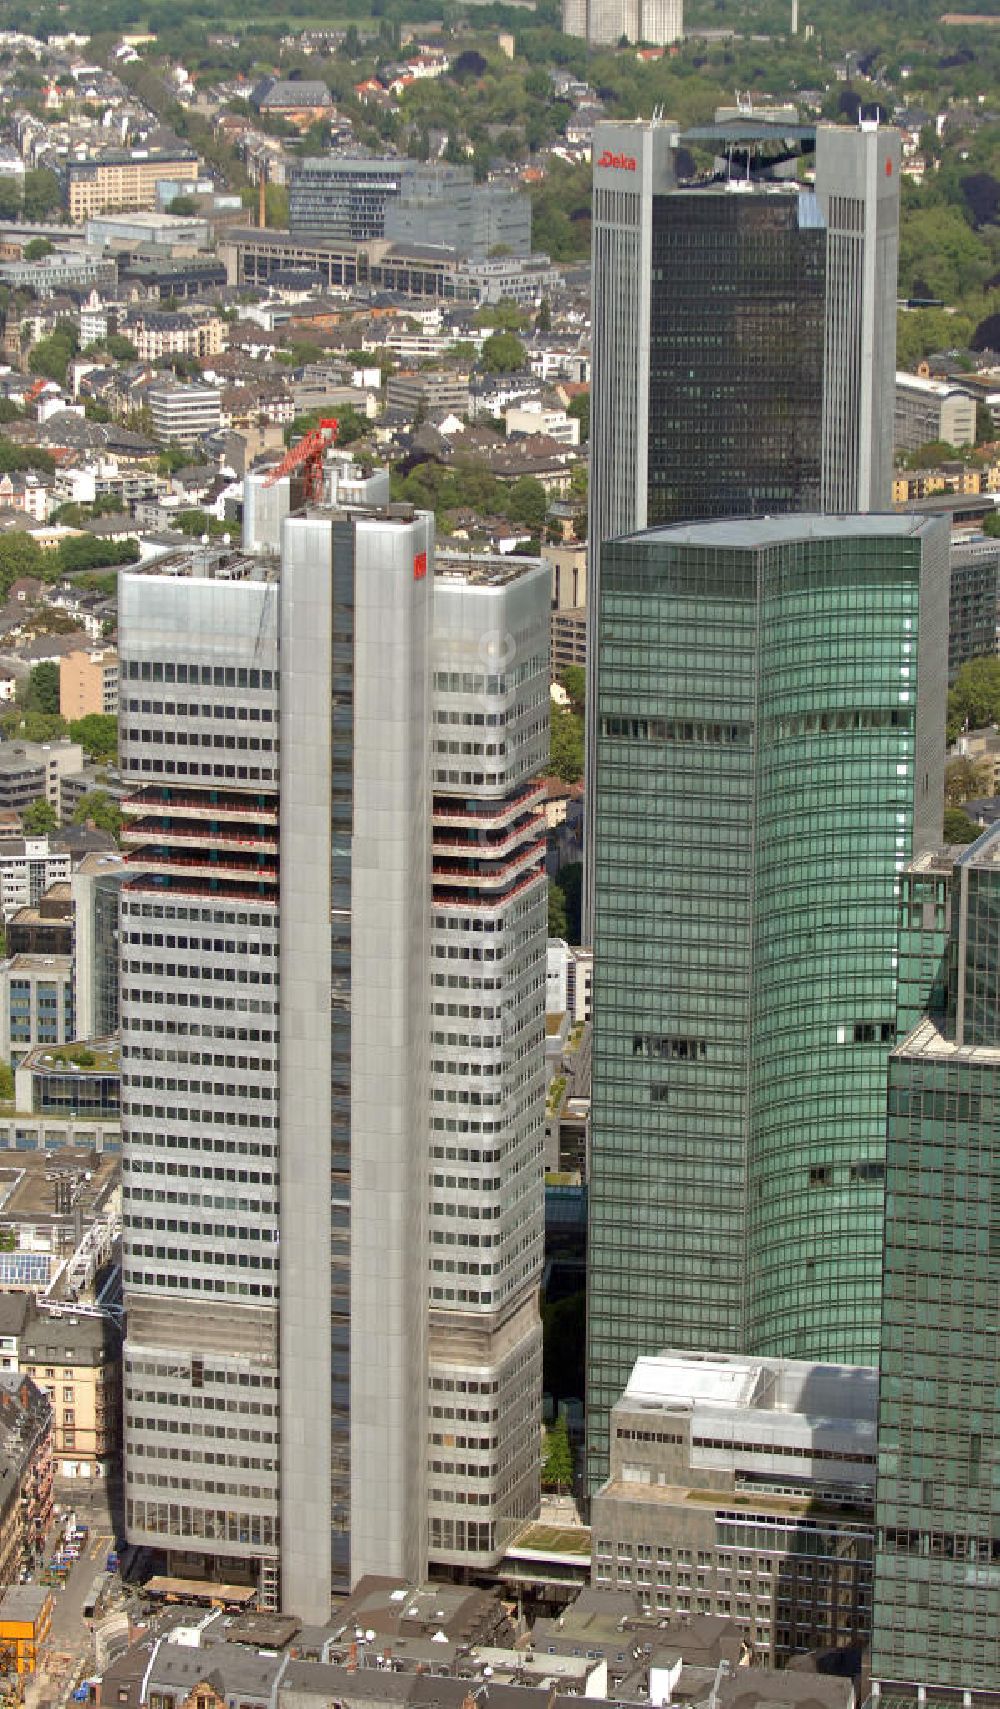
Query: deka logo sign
x=621, y=162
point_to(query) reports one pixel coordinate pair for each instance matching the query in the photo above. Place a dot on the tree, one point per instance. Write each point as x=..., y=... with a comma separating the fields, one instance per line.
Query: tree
x=38, y=248
x=974, y=701
x=101, y=810
x=963, y=780
x=991, y=525
x=558, y=922
x=40, y=818
x=6, y=1081
x=527, y=503
x=43, y=689
x=959, y=828
x=183, y=205
x=42, y=194
x=120, y=347
x=19, y=556
x=28, y=726
x=579, y=409
x=543, y=319
x=502, y=353
x=566, y=756
x=50, y=357
x=557, y=1466
x=574, y=681
x=97, y=734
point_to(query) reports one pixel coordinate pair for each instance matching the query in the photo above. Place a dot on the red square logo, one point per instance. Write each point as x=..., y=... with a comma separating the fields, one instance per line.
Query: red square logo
x=420, y=566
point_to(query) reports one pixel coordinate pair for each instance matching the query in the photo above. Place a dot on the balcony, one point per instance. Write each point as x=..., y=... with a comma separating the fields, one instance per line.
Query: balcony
x=483, y=874
x=493, y=843
x=165, y=834
x=210, y=803
x=451, y=810
x=466, y=899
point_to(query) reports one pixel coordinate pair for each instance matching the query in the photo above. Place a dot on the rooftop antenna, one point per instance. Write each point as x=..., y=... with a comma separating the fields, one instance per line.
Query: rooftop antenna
x=795, y=17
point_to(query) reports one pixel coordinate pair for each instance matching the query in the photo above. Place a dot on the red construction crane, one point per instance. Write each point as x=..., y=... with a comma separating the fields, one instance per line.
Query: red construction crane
x=307, y=455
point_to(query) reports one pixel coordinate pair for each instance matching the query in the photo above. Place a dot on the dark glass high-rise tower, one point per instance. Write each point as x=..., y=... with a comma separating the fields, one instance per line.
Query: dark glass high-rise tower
x=769, y=755
x=744, y=341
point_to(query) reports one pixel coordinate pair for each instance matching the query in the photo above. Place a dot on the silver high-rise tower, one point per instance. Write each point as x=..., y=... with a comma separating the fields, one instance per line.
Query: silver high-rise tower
x=333, y=1215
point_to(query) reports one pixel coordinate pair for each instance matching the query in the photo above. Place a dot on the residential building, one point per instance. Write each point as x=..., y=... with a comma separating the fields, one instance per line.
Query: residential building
x=553, y=422
x=25, y=1474
x=936, y=1624
x=568, y=639
x=569, y=979
x=406, y=1189
x=770, y=753
x=29, y=867
x=182, y=414
x=36, y=1003
x=603, y=23
x=930, y=410
x=123, y=178
x=88, y=682
x=74, y=1356
x=299, y=101
x=743, y=344
x=744, y=1487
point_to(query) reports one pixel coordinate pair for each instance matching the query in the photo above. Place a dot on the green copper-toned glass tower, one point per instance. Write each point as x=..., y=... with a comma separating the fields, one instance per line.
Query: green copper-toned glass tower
x=936, y=1615
x=770, y=753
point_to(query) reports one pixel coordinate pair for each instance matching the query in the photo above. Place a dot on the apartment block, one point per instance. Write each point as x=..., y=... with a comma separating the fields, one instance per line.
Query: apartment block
x=88, y=682
x=29, y=867
x=181, y=414
x=930, y=410
x=36, y=1003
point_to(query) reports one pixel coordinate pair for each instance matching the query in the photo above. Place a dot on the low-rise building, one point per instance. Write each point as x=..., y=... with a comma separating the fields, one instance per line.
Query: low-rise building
x=74, y=1356
x=36, y=1003
x=124, y=178
x=182, y=414
x=28, y=867
x=744, y=1487
x=88, y=682
x=931, y=410
x=31, y=771
x=25, y=1623
x=46, y=928
x=428, y=392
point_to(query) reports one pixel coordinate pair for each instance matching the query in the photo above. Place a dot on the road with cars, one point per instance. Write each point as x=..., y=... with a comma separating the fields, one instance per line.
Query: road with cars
x=69, y=1654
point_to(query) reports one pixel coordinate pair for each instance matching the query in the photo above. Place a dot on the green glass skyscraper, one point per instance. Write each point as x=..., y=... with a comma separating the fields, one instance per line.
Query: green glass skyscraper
x=770, y=753
x=936, y=1613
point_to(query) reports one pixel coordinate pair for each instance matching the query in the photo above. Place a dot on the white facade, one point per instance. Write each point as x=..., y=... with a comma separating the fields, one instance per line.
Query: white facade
x=412, y=716
x=27, y=867
x=604, y=23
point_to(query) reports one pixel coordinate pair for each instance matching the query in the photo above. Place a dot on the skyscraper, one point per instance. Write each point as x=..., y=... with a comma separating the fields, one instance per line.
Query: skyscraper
x=769, y=753
x=743, y=340
x=936, y=1615
x=333, y=1220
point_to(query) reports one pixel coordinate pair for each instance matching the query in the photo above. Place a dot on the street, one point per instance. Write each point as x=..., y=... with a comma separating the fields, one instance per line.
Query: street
x=69, y=1652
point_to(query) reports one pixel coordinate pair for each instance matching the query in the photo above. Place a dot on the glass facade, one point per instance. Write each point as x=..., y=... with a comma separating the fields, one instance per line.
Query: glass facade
x=736, y=355
x=757, y=779
x=936, y=1619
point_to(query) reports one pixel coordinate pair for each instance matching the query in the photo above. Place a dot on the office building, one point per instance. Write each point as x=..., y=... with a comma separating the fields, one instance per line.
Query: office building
x=123, y=178
x=407, y=202
x=88, y=682
x=974, y=609
x=770, y=753
x=744, y=1487
x=36, y=1003
x=936, y=1620
x=385, y=869
x=33, y=771
x=931, y=410
x=96, y=890
x=183, y=414
x=603, y=23
x=743, y=339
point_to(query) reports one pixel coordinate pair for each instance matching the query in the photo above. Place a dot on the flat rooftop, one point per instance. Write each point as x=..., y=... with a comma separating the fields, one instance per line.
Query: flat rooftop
x=481, y=569
x=927, y=1039
x=676, y=1382
x=752, y=532
x=71, y=1179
